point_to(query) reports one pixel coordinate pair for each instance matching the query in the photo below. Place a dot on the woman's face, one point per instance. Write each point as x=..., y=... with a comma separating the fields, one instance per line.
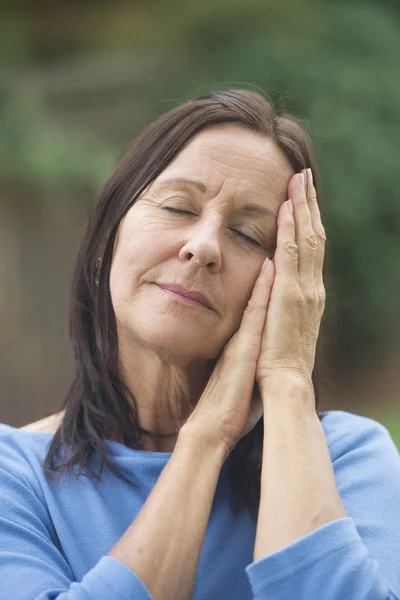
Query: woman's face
x=222, y=169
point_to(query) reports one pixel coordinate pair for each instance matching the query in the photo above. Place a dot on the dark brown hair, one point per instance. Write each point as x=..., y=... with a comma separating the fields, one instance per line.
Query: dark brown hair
x=97, y=403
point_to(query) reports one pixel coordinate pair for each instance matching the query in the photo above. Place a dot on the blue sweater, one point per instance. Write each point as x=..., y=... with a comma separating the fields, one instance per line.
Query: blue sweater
x=54, y=538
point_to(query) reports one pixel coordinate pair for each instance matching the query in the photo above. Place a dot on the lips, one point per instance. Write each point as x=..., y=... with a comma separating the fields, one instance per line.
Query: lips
x=196, y=296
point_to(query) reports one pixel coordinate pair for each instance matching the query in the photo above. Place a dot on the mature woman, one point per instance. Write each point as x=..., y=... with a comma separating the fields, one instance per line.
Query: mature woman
x=190, y=460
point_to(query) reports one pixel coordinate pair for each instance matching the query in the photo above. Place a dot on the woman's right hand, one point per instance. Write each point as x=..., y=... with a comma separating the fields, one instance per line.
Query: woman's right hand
x=230, y=405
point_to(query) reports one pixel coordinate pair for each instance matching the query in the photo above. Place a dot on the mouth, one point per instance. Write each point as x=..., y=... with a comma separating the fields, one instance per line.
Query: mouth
x=179, y=294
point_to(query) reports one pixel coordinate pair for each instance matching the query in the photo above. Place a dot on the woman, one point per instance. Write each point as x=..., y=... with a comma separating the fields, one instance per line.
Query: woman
x=191, y=459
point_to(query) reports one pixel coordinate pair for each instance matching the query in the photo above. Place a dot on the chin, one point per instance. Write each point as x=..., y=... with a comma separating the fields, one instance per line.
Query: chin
x=176, y=339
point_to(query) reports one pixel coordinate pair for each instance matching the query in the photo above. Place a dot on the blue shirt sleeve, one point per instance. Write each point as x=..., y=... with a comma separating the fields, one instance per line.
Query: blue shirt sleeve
x=355, y=557
x=32, y=566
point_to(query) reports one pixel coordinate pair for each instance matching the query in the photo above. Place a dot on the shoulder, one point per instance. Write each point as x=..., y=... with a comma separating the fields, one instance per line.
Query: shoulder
x=22, y=450
x=24, y=491
x=346, y=432
x=366, y=464
x=29, y=442
x=49, y=424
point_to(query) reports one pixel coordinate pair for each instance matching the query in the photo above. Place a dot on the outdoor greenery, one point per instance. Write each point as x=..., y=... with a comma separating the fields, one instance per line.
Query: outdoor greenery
x=390, y=418
x=333, y=64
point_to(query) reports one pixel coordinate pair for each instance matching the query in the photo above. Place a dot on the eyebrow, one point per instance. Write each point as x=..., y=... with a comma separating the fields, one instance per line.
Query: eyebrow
x=248, y=207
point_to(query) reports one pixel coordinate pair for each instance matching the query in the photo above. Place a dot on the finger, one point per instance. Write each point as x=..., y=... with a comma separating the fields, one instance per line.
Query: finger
x=286, y=254
x=254, y=316
x=305, y=236
x=318, y=228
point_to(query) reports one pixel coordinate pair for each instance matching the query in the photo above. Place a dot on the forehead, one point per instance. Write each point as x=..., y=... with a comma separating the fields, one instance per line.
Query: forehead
x=234, y=159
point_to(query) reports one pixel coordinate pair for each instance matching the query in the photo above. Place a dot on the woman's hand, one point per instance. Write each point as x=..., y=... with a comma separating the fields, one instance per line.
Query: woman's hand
x=297, y=298
x=230, y=405
x=279, y=328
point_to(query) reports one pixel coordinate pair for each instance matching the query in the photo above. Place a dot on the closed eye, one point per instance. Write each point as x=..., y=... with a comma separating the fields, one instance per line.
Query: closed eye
x=176, y=210
x=243, y=235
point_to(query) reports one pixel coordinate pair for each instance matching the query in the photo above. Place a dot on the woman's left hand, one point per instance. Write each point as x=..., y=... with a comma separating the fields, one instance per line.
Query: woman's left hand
x=297, y=299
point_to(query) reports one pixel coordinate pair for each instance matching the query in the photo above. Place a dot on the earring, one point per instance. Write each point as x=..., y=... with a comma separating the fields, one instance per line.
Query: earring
x=97, y=274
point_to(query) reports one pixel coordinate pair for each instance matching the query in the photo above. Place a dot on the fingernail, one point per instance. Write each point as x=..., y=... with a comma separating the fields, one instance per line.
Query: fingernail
x=265, y=264
x=302, y=181
x=290, y=206
x=310, y=175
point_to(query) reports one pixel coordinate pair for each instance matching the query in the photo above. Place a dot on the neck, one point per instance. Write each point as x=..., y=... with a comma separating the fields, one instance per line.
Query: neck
x=164, y=391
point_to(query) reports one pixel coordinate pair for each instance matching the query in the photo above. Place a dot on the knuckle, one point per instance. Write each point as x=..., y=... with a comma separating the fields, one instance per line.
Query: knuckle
x=291, y=248
x=311, y=298
x=292, y=295
x=311, y=240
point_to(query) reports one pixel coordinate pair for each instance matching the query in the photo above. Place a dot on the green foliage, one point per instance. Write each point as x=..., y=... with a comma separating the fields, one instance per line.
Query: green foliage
x=390, y=418
x=333, y=64
x=36, y=150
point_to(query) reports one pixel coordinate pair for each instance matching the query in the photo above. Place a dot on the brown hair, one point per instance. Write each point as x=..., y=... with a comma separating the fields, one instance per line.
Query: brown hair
x=97, y=403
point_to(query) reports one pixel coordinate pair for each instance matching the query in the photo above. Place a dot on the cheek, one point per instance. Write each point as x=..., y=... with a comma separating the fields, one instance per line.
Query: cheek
x=142, y=238
x=136, y=251
x=136, y=254
x=238, y=293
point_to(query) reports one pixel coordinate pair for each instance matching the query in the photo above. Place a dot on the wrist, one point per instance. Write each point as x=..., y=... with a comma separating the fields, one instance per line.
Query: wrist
x=192, y=436
x=290, y=389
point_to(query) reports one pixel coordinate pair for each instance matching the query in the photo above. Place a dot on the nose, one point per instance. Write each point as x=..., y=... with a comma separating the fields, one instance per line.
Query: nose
x=203, y=244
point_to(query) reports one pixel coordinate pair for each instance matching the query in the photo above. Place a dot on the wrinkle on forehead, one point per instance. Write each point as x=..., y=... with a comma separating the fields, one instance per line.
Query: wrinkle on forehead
x=261, y=164
x=241, y=162
x=242, y=185
x=237, y=182
x=247, y=169
x=223, y=139
x=236, y=154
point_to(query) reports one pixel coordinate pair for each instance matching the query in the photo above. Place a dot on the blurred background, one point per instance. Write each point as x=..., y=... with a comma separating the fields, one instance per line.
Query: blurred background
x=79, y=80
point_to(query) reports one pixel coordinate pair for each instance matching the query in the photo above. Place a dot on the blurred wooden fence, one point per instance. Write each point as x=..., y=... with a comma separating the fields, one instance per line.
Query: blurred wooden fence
x=38, y=243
